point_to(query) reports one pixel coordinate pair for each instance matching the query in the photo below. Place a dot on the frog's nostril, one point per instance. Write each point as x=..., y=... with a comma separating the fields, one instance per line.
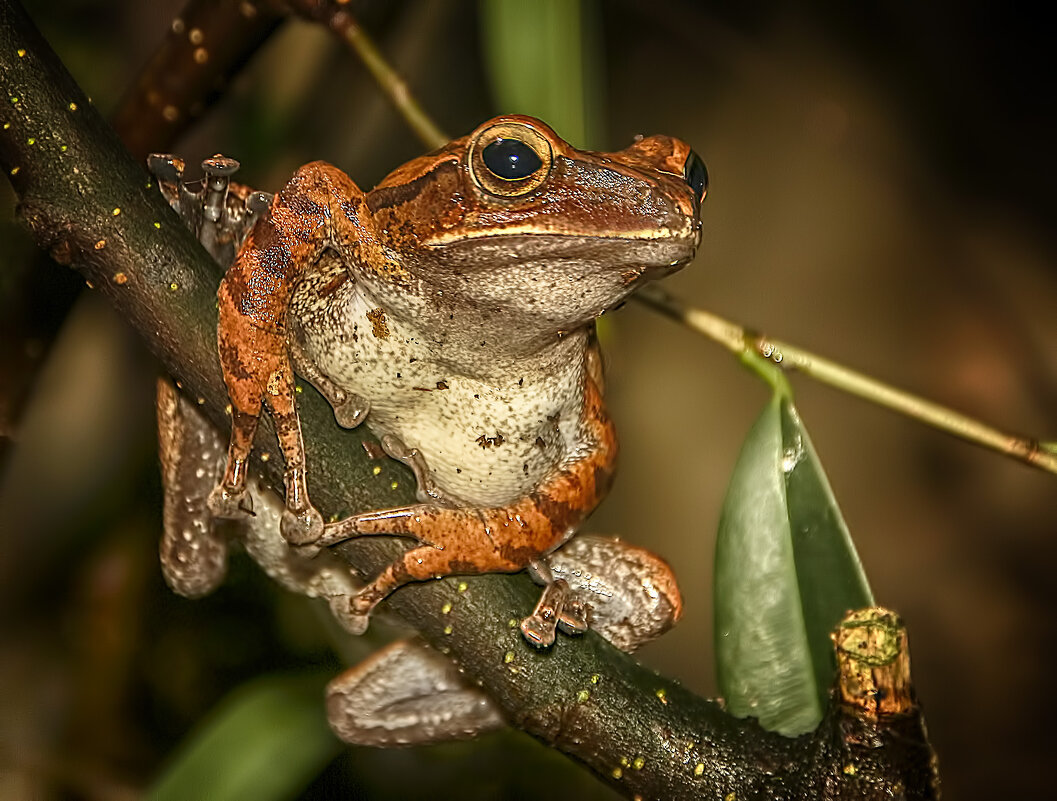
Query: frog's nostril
x=695, y=174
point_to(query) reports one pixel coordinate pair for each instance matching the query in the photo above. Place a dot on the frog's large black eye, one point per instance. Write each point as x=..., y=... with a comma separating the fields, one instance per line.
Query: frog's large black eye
x=511, y=159
x=695, y=174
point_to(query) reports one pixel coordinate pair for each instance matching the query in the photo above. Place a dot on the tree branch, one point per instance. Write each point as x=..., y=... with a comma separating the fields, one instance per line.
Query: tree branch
x=88, y=203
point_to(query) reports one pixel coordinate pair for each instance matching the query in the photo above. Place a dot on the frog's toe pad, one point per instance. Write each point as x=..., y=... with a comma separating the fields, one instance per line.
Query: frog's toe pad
x=353, y=622
x=538, y=631
x=352, y=412
x=229, y=504
x=302, y=527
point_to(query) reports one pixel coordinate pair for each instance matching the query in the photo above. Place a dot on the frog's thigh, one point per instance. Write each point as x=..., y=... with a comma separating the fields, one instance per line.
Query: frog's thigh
x=193, y=554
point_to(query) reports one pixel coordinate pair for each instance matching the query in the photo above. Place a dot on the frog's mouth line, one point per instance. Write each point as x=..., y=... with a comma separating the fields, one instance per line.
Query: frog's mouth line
x=690, y=231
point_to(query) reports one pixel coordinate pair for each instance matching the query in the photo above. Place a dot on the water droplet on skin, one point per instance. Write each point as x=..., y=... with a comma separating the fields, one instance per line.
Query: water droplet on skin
x=792, y=456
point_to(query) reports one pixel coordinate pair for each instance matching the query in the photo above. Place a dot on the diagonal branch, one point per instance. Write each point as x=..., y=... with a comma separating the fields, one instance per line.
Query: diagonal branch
x=87, y=202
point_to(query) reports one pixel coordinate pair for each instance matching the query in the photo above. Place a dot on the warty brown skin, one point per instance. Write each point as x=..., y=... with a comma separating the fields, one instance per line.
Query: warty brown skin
x=473, y=274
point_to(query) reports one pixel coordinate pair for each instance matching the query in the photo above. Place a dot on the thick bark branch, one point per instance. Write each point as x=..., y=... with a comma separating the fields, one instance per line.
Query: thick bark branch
x=93, y=207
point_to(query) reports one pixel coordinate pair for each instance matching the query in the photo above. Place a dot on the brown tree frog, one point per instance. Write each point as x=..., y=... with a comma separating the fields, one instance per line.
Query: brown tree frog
x=452, y=308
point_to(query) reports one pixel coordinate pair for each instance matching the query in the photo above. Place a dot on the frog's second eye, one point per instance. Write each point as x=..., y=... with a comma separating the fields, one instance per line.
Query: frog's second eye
x=510, y=159
x=695, y=174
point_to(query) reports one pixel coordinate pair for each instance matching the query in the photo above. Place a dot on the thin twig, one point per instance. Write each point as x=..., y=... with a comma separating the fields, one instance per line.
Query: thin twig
x=741, y=341
x=348, y=29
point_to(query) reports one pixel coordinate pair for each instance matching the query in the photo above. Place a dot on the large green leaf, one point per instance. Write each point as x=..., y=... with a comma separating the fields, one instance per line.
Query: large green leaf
x=265, y=741
x=786, y=571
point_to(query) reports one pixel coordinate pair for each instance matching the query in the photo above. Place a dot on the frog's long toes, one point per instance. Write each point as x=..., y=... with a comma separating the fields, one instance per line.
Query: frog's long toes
x=301, y=527
x=231, y=504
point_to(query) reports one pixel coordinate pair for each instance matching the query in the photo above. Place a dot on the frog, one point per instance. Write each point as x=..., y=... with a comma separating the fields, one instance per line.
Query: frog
x=452, y=309
x=405, y=693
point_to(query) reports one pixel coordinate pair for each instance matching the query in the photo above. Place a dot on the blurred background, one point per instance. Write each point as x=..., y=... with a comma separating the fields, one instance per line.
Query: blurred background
x=881, y=193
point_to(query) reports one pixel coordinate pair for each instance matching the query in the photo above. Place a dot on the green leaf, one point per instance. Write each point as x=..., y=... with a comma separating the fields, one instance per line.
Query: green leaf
x=266, y=740
x=544, y=59
x=786, y=571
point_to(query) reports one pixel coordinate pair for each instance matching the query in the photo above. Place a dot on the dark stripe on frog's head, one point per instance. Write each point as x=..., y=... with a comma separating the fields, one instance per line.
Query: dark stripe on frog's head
x=386, y=197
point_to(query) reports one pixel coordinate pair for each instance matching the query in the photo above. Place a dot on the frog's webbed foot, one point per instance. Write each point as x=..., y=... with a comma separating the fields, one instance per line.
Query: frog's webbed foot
x=408, y=694
x=427, y=490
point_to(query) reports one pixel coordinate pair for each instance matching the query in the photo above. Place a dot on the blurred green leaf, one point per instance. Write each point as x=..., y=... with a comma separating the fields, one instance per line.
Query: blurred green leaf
x=786, y=571
x=544, y=58
x=266, y=740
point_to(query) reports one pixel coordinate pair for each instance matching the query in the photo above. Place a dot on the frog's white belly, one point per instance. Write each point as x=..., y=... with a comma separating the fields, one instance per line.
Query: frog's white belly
x=487, y=442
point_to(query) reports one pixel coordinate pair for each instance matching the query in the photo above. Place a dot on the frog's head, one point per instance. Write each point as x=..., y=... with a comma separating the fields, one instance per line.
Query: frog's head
x=514, y=221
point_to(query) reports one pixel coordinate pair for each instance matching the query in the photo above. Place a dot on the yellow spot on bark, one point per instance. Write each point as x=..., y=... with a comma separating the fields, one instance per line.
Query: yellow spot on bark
x=100, y=244
x=377, y=470
x=116, y=211
x=448, y=629
x=31, y=141
x=170, y=113
x=174, y=286
x=849, y=770
x=7, y=125
x=201, y=55
x=462, y=586
x=265, y=457
x=72, y=107
x=120, y=279
x=446, y=609
x=638, y=763
x=699, y=768
x=617, y=773
x=508, y=657
x=662, y=694
x=157, y=225
x=21, y=52
x=63, y=148
x=394, y=485
x=729, y=796
x=582, y=696
x=14, y=170
x=595, y=678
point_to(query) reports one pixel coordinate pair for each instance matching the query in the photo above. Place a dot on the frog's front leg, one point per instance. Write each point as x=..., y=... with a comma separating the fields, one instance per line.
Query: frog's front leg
x=319, y=207
x=489, y=540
